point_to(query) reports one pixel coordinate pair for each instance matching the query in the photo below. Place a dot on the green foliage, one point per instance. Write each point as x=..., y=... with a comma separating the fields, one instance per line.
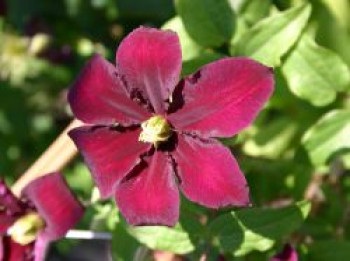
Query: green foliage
x=246, y=230
x=124, y=246
x=328, y=136
x=80, y=180
x=271, y=38
x=330, y=250
x=252, y=11
x=208, y=22
x=273, y=141
x=176, y=239
x=315, y=73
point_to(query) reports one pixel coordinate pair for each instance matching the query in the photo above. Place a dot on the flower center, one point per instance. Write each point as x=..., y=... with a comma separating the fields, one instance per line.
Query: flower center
x=27, y=228
x=155, y=130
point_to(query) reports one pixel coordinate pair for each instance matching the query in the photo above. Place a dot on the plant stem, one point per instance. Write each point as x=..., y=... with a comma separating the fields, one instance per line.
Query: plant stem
x=56, y=157
x=313, y=191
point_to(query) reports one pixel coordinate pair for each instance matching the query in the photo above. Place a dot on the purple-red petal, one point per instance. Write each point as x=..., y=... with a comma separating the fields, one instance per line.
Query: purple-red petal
x=150, y=196
x=40, y=248
x=1, y=249
x=288, y=254
x=5, y=223
x=15, y=252
x=150, y=61
x=110, y=153
x=55, y=203
x=10, y=207
x=223, y=97
x=209, y=174
x=98, y=96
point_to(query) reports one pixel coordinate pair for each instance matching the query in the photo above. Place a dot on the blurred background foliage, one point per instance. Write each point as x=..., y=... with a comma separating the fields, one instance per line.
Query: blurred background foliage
x=302, y=137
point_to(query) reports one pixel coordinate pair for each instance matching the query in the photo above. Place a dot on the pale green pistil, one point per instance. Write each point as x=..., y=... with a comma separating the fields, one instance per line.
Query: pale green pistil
x=27, y=228
x=155, y=130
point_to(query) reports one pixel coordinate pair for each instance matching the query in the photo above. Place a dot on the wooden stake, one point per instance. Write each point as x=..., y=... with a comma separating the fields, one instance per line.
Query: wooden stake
x=56, y=157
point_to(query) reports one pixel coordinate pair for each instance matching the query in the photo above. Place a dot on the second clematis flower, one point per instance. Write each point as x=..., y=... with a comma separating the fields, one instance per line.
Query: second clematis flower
x=28, y=224
x=149, y=133
x=287, y=254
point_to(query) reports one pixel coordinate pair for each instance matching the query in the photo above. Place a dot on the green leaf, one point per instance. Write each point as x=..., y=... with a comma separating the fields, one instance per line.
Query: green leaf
x=79, y=179
x=272, y=37
x=252, y=11
x=208, y=22
x=330, y=250
x=189, y=47
x=329, y=135
x=340, y=10
x=124, y=245
x=271, y=140
x=246, y=230
x=176, y=239
x=315, y=73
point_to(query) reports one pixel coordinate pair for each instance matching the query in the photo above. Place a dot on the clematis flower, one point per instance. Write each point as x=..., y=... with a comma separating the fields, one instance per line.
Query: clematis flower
x=148, y=134
x=288, y=254
x=45, y=213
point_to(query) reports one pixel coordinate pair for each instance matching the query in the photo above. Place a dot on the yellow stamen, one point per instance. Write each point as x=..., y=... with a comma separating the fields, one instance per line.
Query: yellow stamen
x=27, y=228
x=155, y=130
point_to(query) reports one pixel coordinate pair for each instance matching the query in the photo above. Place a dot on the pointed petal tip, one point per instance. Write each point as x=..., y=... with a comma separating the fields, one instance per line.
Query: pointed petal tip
x=242, y=87
x=149, y=60
x=98, y=96
x=211, y=178
x=150, y=196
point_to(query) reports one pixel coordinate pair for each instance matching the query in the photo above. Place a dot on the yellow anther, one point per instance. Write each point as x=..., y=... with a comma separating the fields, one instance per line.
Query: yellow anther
x=155, y=130
x=27, y=228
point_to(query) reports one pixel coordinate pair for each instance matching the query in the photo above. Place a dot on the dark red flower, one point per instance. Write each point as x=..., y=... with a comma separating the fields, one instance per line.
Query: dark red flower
x=288, y=254
x=149, y=134
x=45, y=213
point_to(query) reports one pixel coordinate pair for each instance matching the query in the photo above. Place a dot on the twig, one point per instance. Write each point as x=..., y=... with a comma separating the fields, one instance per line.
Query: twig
x=58, y=155
x=313, y=191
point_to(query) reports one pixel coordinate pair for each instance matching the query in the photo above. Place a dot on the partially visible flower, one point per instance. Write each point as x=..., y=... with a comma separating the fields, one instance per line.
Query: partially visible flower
x=288, y=254
x=45, y=213
x=150, y=133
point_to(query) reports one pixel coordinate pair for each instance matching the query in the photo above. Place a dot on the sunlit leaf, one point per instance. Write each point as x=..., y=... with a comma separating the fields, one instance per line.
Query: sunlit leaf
x=314, y=73
x=175, y=239
x=329, y=135
x=272, y=139
x=271, y=38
